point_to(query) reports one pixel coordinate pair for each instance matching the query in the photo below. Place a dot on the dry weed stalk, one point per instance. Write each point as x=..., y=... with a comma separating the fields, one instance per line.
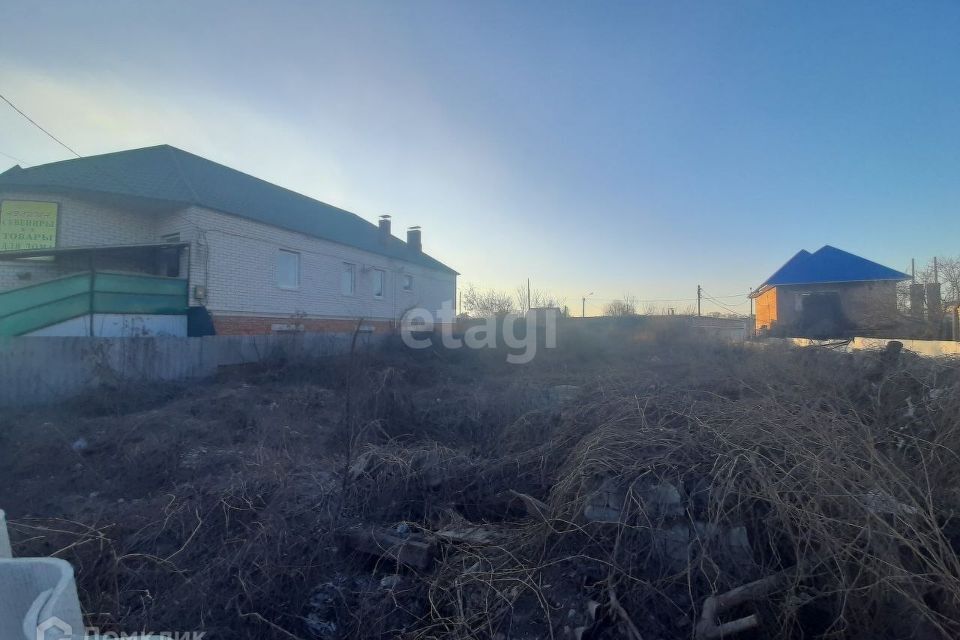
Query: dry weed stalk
x=681, y=472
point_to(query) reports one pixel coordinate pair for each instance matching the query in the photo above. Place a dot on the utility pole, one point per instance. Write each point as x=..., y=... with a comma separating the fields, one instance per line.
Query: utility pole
x=913, y=271
x=699, y=293
x=583, y=307
x=528, y=294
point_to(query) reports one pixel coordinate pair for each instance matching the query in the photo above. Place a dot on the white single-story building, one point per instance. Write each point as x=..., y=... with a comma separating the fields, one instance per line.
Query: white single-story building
x=88, y=245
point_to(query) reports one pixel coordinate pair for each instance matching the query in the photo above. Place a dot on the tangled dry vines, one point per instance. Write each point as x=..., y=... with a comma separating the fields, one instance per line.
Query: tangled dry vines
x=678, y=491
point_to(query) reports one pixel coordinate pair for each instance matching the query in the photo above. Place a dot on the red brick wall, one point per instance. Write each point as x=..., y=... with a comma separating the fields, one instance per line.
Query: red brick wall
x=252, y=325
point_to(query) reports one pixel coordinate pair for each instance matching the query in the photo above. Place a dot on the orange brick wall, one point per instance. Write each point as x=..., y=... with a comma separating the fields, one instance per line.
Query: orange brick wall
x=252, y=325
x=766, y=315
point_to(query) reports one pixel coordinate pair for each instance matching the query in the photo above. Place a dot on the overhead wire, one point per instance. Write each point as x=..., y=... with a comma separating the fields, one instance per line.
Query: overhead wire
x=200, y=228
x=735, y=295
x=14, y=158
x=37, y=125
x=719, y=304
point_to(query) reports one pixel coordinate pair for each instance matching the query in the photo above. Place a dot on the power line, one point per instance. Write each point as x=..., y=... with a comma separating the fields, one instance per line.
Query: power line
x=14, y=158
x=735, y=295
x=718, y=303
x=718, y=298
x=34, y=123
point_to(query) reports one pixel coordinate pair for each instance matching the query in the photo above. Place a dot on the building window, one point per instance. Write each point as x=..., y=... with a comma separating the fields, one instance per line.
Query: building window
x=288, y=269
x=407, y=282
x=169, y=262
x=169, y=257
x=379, y=282
x=348, y=279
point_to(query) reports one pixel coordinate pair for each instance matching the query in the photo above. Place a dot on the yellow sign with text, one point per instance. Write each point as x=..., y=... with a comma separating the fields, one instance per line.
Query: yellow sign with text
x=26, y=224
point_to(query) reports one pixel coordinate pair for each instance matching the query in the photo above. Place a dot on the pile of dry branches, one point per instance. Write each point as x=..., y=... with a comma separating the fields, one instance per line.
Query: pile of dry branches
x=830, y=474
x=687, y=490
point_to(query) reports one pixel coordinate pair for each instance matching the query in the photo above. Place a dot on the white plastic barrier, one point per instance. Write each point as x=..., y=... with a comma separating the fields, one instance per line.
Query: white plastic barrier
x=38, y=597
x=5, y=551
x=39, y=600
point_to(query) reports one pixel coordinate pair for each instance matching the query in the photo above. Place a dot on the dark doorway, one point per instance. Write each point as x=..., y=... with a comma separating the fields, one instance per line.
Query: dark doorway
x=821, y=316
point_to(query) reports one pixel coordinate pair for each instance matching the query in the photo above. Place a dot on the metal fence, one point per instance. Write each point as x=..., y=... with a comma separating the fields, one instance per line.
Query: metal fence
x=36, y=370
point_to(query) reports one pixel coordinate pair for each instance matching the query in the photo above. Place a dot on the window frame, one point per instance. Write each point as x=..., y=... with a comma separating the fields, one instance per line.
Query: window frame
x=407, y=277
x=172, y=261
x=353, y=278
x=382, y=274
x=299, y=269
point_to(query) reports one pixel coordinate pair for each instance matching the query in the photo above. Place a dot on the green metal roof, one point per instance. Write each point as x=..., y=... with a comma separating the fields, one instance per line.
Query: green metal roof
x=170, y=174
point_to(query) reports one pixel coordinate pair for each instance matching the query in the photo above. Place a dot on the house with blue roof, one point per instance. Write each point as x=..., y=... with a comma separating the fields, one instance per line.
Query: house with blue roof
x=161, y=241
x=828, y=293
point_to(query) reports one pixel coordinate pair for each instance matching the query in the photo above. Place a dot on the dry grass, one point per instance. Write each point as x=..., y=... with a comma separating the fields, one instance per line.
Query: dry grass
x=824, y=469
x=838, y=469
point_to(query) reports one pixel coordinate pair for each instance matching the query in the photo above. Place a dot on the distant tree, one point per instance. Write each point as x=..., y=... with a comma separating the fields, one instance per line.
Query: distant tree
x=944, y=270
x=484, y=303
x=625, y=306
x=948, y=274
x=538, y=298
x=903, y=297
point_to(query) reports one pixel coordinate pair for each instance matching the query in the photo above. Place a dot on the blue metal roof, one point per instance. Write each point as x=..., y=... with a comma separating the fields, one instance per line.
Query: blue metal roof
x=829, y=264
x=169, y=174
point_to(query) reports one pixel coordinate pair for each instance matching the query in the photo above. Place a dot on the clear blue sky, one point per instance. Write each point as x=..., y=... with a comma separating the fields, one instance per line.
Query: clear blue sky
x=641, y=147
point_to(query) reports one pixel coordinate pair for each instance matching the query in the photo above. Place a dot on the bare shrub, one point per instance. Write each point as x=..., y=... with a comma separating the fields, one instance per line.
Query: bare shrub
x=482, y=303
x=675, y=470
x=625, y=306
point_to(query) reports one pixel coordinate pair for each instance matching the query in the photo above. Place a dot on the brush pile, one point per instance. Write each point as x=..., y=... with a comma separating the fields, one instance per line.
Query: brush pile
x=685, y=490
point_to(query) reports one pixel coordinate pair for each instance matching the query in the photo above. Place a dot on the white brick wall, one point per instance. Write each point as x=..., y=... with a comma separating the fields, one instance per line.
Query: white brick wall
x=236, y=260
x=240, y=271
x=81, y=222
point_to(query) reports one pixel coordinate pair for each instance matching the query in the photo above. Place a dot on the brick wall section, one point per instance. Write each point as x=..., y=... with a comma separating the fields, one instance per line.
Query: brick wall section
x=865, y=304
x=84, y=221
x=253, y=325
x=81, y=222
x=235, y=260
x=766, y=313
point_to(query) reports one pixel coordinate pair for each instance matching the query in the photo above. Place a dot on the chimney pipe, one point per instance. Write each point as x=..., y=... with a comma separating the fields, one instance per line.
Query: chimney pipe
x=384, y=229
x=413, y=239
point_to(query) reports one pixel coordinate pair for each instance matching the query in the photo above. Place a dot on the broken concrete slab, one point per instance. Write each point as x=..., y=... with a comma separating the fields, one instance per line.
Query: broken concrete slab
x=563, y=394
x=677, y=542
x=606, y=503
x=466, y=534
x=659, y=501
x=413, y=549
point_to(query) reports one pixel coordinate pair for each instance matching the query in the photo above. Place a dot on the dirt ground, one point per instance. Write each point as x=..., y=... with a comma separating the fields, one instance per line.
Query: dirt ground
x=608, y=489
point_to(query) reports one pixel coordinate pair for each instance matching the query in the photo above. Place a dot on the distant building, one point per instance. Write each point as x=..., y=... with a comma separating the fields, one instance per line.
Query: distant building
x=825, y=294
x=135, y=242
